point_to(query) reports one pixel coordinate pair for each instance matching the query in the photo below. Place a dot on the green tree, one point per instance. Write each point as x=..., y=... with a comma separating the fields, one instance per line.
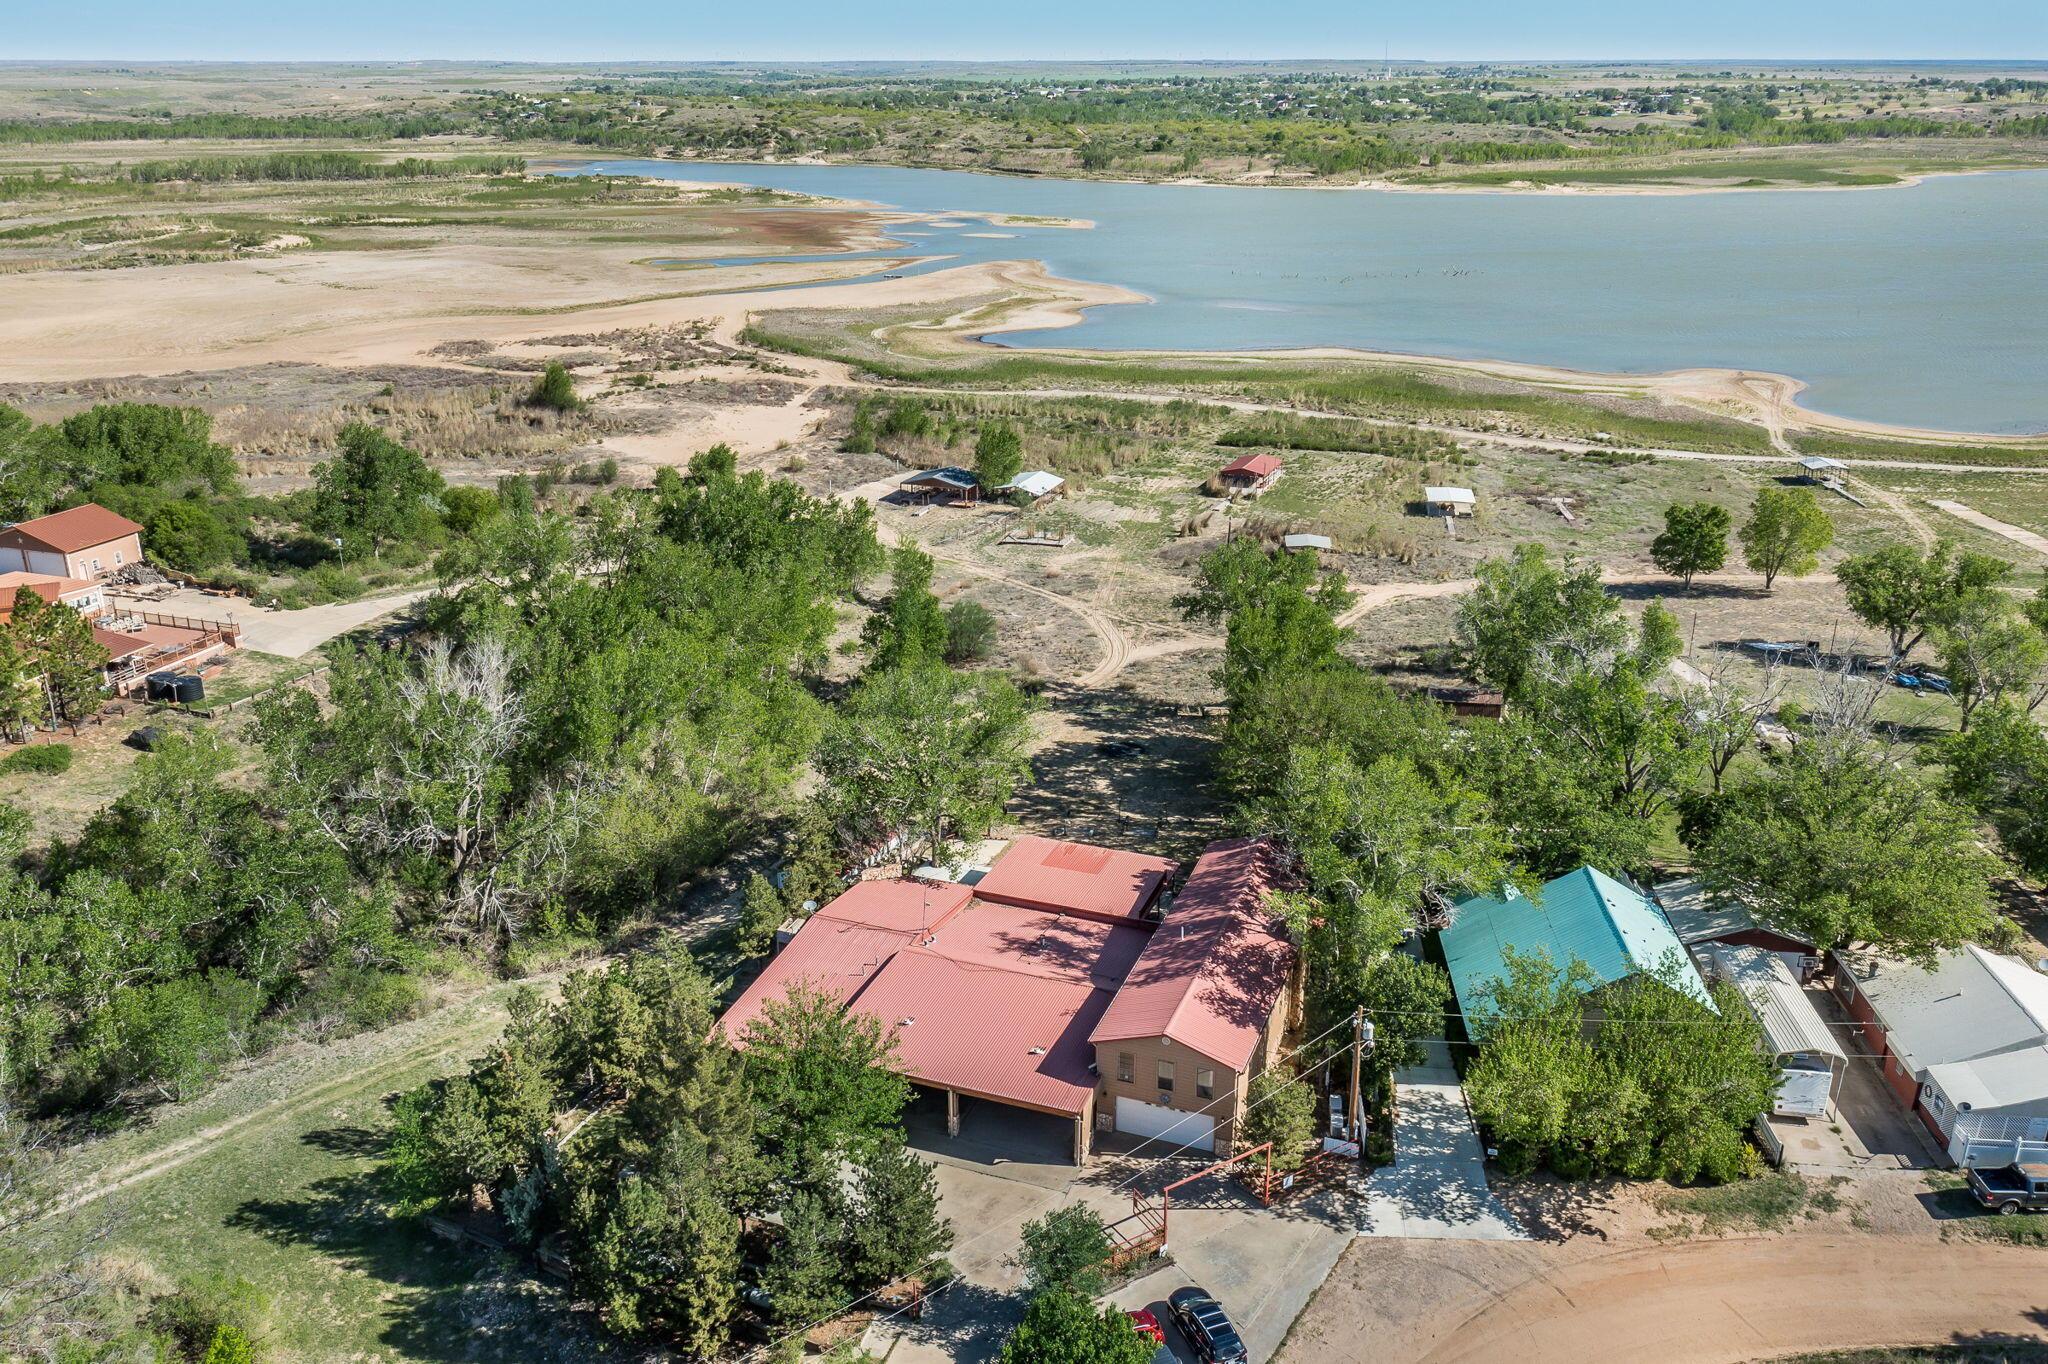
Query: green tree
x=805, y=1277
x=970, y=632
x=1524, y=612
x=1906, y=593
x=1837, y=842
x=895, y=1226
x=58, y=643
x=21, y=687
x=191, y=535
x=1535, y=1063
x=824, y=1079
x=761, y=913
x=1068, y=1248
x=464, y=508
x=998, y=454
x=1279, y=611
x=1999, y=767
x=372, y=493
x=1785, y=533
x=909, y=629
x=1694, y=540
x=1281, y=1109
x=230, y=1346
x=556, y=389
x=1989, y=649
x=1064, y=1327
x=661, y=1259
x=924, y=752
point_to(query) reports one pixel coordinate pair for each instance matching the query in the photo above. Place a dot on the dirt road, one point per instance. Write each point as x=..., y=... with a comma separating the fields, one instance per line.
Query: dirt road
x=1697, y=1302
x=2017, y=534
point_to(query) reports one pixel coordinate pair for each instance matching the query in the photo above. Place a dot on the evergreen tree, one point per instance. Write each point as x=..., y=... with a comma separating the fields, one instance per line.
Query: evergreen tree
x=556, y=389
x=896, y=1228
x=761, y=913
x=1064, y=1327
x=805, y=1277
x=1281, y=1109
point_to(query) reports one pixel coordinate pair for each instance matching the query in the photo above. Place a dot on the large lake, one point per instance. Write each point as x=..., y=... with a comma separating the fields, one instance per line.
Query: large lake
x=1925, y=306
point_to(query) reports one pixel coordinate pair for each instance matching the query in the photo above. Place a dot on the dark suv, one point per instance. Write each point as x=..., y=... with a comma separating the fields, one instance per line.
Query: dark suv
x=1207, y=1328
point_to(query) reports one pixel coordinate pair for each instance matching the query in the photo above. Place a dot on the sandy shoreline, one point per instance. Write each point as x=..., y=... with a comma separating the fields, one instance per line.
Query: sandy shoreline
x=355, y=308
x=1902, y=180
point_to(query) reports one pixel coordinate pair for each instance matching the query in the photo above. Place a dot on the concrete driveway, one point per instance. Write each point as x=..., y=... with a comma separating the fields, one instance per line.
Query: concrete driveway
x=1262, y=1264
x=1436, y=1188
x=289, y=634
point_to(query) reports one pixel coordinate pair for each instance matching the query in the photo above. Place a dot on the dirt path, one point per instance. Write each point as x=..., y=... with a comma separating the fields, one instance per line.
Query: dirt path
x=446, y=1035
x=1699, y=1302
x=2017, y=534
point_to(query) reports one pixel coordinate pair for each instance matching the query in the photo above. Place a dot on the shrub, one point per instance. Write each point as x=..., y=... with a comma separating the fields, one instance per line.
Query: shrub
x=970, y=632
x=46, y=759
x=556, y=389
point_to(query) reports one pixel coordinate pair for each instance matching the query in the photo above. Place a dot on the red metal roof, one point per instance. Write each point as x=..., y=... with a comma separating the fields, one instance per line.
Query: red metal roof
x=1256, y=466
x=76, y=529
x=1217, y=964
x=1042, y=873
x=983, y=985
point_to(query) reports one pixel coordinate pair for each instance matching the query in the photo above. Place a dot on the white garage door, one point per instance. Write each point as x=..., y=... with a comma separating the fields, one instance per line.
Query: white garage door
x=1173, y=1128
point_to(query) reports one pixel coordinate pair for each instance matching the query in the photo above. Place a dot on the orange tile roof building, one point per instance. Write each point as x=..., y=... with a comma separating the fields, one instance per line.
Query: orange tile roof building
x=82, y=542
x=1042, y=986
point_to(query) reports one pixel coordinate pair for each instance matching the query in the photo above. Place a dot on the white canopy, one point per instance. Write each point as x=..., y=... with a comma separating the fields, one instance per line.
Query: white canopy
x=1305, y=541
x=1033, y=482
x=1461, y=496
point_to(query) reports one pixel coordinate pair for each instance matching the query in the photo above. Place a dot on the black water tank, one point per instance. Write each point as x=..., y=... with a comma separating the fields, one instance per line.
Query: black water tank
x=188, y=688
x=160, y=686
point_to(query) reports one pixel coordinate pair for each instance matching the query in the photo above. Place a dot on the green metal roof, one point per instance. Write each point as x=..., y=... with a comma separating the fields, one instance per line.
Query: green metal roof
x=1584, y=915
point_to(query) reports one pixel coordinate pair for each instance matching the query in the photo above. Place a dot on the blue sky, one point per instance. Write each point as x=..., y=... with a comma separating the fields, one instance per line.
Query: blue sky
x=683, y=30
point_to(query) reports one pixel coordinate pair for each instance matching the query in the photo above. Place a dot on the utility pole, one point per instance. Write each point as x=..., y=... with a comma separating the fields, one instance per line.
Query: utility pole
x=1357, y=1056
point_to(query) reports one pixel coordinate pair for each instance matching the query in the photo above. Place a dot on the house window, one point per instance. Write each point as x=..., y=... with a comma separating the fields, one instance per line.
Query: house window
x=1205, y=1083
x=117, y=558
x=1126, y=1067
x=1166, y=1077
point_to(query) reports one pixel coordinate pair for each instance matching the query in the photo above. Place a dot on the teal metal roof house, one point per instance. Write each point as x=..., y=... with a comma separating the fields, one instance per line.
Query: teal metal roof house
x=1583, y=914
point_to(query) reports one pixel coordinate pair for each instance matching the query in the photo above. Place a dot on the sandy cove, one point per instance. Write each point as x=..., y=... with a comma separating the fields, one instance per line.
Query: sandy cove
x=395, y=307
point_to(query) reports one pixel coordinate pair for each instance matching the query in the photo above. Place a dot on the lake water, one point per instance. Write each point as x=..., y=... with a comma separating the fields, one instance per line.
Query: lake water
x=1926, y=306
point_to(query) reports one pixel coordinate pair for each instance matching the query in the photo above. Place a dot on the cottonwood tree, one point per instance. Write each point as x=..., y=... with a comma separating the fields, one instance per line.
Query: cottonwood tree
x=909, y=629
x=1839, y=843
x=373, y=492
x=924, y=752
x=1066, y=1249
x=1694, y=540
x=998, y=454
x=1721, y=718
x=824, y=1080
x=2000, y=768
x=1526, y=614
x=1785, y=533
x=1990, y=650
x=1279, y=612
x=1906, y=593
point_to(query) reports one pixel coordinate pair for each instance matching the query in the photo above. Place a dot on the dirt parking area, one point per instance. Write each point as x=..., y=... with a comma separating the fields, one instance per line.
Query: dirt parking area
x=1702, y=1302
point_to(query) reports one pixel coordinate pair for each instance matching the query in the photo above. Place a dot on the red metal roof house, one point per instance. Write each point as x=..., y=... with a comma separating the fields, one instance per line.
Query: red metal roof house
x=83, y=542
x=1016, y=990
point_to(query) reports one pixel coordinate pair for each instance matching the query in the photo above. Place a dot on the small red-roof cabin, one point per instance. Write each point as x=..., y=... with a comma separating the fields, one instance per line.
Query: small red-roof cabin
x=1249, y=473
